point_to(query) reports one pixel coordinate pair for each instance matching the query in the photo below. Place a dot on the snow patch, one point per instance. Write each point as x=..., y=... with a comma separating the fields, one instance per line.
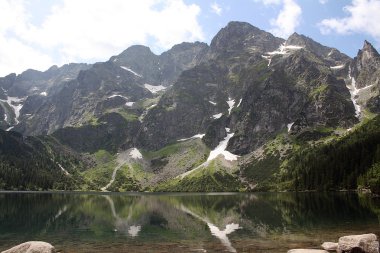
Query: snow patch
x=290, y=126
x=354, y=92
x=217, y=116
x=231, y=103
x=135, y=154
x=16, y=104
x=283, y=49
x=129, y=104
x=130, y=70
x=63, y=170
x=337, y=67
x=44, y=93
x=239, y=102
x=221, y=149
x=117, y=95
x=154, y=89
x=193, y=137
x=213, y=103
x=9, y=128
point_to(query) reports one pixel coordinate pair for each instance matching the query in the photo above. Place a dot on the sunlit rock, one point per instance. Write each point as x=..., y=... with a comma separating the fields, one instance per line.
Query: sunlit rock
x=330, y=246
x=354, y=243
x=32, y=247
x=307, y=251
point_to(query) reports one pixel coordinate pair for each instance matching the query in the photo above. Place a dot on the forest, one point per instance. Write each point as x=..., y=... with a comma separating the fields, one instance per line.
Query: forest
x=349, y=162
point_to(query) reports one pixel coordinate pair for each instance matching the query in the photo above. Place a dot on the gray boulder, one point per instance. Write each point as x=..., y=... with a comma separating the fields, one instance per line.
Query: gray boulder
x=330, y=246
x=32, y=247
x=358, y=243
x=307, y=251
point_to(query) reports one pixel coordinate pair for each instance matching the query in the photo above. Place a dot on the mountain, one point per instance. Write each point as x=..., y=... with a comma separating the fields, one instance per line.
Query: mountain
x=231, y=116
x=257, y=84
x=365, y=72
x=21, y=95
x=112, y=86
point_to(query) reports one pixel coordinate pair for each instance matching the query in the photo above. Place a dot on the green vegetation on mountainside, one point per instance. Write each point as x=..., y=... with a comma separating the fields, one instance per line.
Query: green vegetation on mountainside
x=334, y=165
x=34, y=163
x=214, y=177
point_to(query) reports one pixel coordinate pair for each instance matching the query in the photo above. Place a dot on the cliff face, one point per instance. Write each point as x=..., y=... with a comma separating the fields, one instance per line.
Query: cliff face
x=259, y=84
x=365, y=71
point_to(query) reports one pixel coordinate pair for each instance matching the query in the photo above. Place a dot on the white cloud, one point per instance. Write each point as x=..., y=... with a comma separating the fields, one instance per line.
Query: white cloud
x=362, y=17
x=15, y=55
x=268, y=2
x=323, y=1
x=79, y=30
x=216, y=8
x=288, y=18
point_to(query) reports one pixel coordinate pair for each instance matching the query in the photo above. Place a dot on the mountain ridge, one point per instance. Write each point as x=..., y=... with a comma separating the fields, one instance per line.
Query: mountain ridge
x=247, y=102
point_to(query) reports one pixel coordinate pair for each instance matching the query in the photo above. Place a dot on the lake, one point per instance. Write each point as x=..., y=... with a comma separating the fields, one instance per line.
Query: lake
x=114, y=222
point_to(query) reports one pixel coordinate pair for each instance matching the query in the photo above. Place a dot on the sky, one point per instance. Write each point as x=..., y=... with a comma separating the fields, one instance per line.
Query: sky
x=38, y=33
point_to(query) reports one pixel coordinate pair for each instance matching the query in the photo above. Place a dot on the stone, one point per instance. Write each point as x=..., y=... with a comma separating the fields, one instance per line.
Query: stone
x=307, y=251
x=32, y=247
x=329, y=246
x=358, y=243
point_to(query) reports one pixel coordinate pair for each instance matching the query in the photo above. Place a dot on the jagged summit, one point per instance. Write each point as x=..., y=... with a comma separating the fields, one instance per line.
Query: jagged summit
x=238, y=36
x=367, y=53
x=320, y=50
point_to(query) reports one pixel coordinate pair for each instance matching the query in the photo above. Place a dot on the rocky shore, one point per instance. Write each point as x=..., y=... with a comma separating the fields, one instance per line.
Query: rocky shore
x=365, y=243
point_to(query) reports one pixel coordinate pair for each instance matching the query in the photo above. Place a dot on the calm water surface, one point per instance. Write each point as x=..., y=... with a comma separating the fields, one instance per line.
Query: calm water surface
x=268, y=222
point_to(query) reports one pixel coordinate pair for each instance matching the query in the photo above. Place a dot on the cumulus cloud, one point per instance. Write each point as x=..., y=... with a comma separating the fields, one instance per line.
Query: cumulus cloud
x=216, y=8
x=288, y=18
x=78, y=30
x=362, y=17
x=15, y=55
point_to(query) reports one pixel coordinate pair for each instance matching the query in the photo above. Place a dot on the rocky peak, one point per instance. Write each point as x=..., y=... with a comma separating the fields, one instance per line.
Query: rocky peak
x=309, y=44
x=242, y=37
x=297, y=40
x=133, y=52
x=184, y=46
x=367, y=58
x=365, y=68
x=367, y=54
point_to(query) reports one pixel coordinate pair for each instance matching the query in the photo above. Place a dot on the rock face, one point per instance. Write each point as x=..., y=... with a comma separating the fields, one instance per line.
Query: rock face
x=32, y=247
x=259, y=84
x=358, y=243
x=22, y=95
x=102, y=87
x=365, y=69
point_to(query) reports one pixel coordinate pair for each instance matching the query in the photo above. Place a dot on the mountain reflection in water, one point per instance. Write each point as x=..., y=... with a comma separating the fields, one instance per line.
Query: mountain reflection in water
x=183, y=222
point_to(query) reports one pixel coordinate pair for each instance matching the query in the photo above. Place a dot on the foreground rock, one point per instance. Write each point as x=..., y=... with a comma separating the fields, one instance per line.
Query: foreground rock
x=307, y=251
x=32, y=247
x=330, y=246
x=358, y=243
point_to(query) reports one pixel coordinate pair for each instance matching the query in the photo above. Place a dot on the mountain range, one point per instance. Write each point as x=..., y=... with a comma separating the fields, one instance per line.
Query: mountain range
x=243, y=113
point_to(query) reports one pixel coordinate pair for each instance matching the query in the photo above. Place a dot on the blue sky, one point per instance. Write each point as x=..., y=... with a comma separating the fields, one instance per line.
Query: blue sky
x=39, y=33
